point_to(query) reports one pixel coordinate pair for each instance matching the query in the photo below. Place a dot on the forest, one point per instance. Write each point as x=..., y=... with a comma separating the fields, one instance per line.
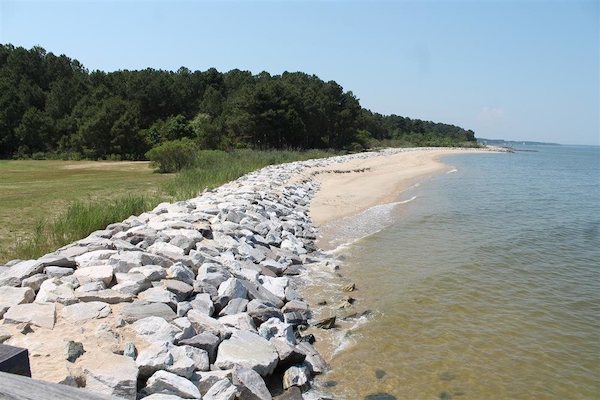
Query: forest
x=53, y=107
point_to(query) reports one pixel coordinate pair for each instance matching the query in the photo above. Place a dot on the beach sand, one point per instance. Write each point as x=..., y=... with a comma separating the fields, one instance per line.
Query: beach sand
x=360, y=184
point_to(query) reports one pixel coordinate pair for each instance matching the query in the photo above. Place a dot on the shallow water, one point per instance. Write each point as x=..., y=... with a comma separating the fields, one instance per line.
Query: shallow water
x=486, y=285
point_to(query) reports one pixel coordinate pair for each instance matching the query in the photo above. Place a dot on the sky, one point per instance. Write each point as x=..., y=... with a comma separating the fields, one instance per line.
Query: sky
x=516, y=70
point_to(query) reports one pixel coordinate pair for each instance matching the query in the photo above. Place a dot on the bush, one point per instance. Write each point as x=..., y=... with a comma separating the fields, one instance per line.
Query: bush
x=173, y=156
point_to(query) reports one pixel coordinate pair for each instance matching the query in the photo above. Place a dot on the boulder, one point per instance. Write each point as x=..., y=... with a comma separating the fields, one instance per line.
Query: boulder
x=34, y=281
x=38, y=314
x=10, y=296
x=164, y=382
x=138, y=310
x=181, y=273
x=73, y=350
x=153, y=358
x=205, y=341
x=159, y=295
x=288, y=354
x=250, y=385
x=166, y=250
x=180, y=289
x=207, y=379
x=107, y=296
x=57, y=272
x=151, y=272
x=81, y=312
x=232, y=288
x=221, y=390
x=113, y=375
x=234, y=306
x=203, y=303
x=204, y=323
x=298, y=375
x=274, y=328
x=19, y=271
x=54, y=290
x=248, y=350
x=102, y=273
x=155, y=329
x=313, y=361
x=240, y=321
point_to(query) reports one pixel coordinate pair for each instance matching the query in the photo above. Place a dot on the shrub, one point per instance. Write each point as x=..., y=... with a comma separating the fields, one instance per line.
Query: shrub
x=173, y=156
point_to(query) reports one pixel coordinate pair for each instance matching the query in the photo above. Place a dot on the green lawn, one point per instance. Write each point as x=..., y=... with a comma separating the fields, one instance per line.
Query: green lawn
x=32, y=191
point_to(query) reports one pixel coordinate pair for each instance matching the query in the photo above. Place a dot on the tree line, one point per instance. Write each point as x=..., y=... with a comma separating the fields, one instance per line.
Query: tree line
x=52, y=106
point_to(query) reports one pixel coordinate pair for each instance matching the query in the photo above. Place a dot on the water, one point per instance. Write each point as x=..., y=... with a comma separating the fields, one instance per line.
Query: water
x=486, y=285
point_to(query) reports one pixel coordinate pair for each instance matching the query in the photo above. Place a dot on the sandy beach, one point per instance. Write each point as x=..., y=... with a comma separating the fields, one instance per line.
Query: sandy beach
x=349, y=188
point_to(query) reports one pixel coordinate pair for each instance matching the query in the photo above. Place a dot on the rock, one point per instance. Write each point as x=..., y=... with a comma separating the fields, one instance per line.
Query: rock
x=42, y=315
x=138, y=310
x=54, y=290
x=325, y=323
x=233, y=288
x=107, y=296
x=204, y=323
x=182, y=308
x=276, y=286
x=298, y=375
x=130, y=350
x=57, y=261
x=240, y=321
x=155, y=329
x=234, y=306
x=81, y=312
x=19, y=271
x=183, y=242
x=125, y=261
x=91, y=287
x=181, y=289
x=261, y=311
x=166, y=250
x=131, y=284
x=250, y=385
x=11, y=296
x=4, y=335
x=258, y=292
x=155, y=357
x=314, y=361
x=205, y=341
x=203, y=303
x=351, y=287
x=213, y=274
x=198, y=356
x=98, y=273
x=34, y=282
x=288, y=354
x=295, y=318
x=159, y=295
x=186, y=329
x=221, y=390
x=57, y=272
x=151, y=272
x=248, y=350
x=164, y=382
x=181, y=273
x=113, y=375
x=274, y=328
x=94, y=258
x=73, y=350
x=207, y=379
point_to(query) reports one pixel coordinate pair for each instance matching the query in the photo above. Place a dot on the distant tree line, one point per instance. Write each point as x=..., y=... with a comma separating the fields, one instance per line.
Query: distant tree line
x=52, y=106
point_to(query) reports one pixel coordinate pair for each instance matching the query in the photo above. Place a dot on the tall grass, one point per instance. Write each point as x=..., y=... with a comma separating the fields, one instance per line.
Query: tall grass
x=76, y=222
x=212, y=168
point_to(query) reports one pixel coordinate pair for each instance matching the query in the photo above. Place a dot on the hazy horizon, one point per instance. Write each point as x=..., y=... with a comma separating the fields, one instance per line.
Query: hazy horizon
x=514, y=71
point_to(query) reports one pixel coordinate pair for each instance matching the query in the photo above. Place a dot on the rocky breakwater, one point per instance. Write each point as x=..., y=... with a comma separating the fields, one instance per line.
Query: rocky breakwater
x=191, y=300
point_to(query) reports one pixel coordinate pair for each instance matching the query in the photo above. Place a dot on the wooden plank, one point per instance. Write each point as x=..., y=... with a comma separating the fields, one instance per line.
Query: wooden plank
x=14, y=360
x=22, y=388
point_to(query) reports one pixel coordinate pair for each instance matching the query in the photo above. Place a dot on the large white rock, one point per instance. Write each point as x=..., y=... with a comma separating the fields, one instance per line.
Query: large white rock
x=155, y=329
x=97, y=273
x=166, y=250
x=248, y=350
x=11, y=296
x=159, y=295
x=167, y=383
x=38, y=314
x=275, y=285
x=114, y=375
x=250, y=384
x=222, y=390
x=85, y=311
x=21, y=270
x=93, y=258
x=53, y=290
x=296, y=376
x=274, y=328
x=232, y=288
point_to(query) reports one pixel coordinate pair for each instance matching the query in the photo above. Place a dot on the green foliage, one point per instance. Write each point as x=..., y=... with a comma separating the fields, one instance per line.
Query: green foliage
x=173, y=156
x=51, y=104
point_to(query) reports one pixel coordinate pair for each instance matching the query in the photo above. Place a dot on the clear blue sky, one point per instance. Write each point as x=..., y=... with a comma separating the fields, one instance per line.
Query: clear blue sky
x=513, y=70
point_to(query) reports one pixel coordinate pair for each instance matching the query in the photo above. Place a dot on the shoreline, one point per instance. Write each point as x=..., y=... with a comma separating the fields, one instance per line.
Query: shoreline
x=180, y=293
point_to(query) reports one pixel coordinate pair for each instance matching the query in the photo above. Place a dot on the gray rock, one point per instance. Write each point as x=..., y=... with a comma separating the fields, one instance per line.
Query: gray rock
x=19, y=271
x=234, y=306
x=213, y=274
x=73, y=350
x=153, y=358
x=130, y=350
x=81, y=312
x=151, y=272
x=250, y=385
x=159, y=295
x=248, y=350
x=203, y=303
x=274, y=328
x=298, y=375
x=34, y=282
x=198, y=356
x=288, y=354
x=276, y=286
x=117, y=377
x=221, y=390
x=182, y=273
x=233, y=288
x=38, y=314
x=102, y=273
x=164, y=382
x=155, y=329
x=205, y=341
x=57, y=261
x=186, y=329
x=94, y=258
x=258, y=292
x=139, y=310
x=241, y=321
x=181, y=289
x=57, y=272
x=204, y=323
x=183, y=307
x=314, y=361
x=107, y=296
x=90, y=287
x=10, y=296
x=207, y=379
x=125, y=261
x=166, y=250
x=183, y=242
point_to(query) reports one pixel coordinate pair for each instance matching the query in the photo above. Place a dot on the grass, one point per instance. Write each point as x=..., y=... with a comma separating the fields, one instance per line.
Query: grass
x=47, y=204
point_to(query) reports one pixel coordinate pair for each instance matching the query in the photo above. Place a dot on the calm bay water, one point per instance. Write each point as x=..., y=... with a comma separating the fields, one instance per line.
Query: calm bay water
x=486, y=285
